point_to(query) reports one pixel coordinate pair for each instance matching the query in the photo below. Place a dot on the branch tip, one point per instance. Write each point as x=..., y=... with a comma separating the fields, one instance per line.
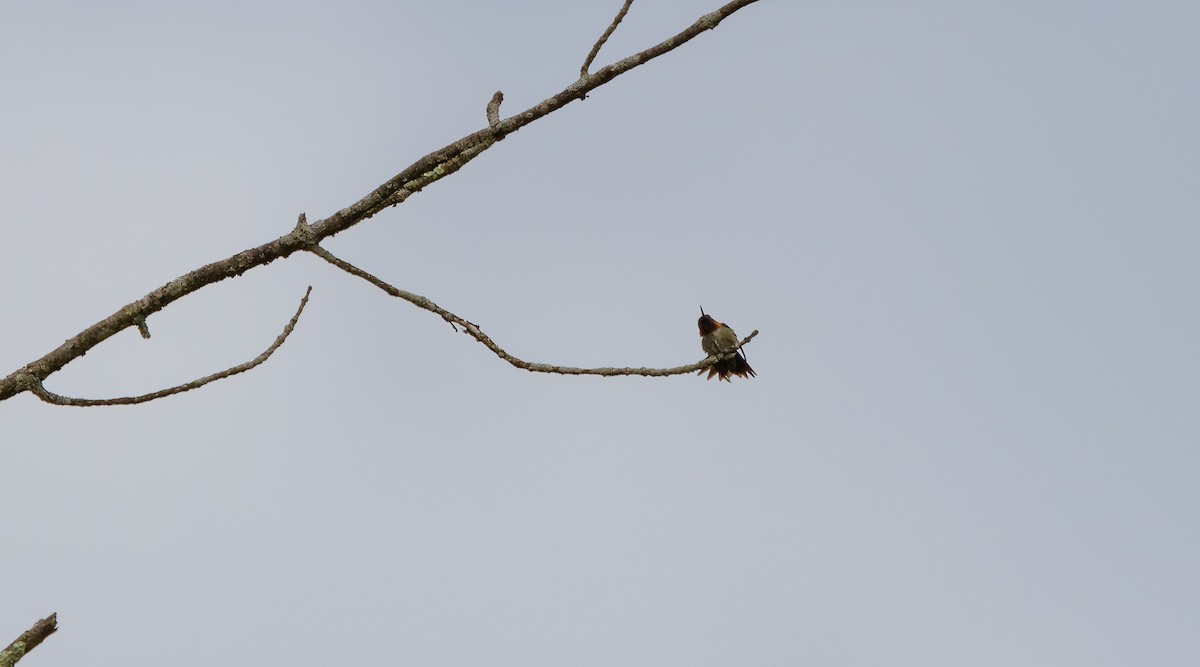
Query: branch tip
x=29, y=640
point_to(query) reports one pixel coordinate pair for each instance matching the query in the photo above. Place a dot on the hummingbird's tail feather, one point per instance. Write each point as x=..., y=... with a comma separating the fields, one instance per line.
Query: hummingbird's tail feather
x=723, y=369
x=741, y=367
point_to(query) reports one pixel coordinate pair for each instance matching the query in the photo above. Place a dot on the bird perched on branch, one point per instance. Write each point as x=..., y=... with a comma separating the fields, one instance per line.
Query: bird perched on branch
x=718, y=339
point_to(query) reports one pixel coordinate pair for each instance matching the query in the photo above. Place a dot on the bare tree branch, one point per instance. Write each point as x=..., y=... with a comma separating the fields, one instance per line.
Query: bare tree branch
x=473, y=330
x=428, y=169
x=587, y=62
x=29, y=640
x=51, y=397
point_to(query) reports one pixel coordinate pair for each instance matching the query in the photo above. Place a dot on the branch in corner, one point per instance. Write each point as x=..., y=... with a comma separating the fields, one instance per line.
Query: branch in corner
x=29, y=640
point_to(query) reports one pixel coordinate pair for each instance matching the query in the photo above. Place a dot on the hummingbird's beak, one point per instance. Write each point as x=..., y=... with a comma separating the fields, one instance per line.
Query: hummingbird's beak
x=701, y=311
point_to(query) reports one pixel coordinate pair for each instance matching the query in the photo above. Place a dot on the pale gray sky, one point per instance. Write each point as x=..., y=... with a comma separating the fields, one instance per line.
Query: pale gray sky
x=968, y=234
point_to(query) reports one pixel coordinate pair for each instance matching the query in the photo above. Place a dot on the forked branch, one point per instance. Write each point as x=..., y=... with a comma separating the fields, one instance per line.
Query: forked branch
x=425, y=171
x=587, y=62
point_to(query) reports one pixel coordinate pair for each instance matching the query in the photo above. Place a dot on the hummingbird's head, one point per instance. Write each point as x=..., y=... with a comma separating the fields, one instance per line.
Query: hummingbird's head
x=707, y=324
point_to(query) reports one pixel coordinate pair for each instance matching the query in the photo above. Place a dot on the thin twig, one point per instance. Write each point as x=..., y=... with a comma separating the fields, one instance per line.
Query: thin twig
x=57, y=399
x=428, y=169
x=587, y=62
x=473, y=330
x=29, y=640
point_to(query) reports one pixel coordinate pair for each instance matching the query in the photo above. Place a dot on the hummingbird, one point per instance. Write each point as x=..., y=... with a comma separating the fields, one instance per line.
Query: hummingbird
x=716, y=338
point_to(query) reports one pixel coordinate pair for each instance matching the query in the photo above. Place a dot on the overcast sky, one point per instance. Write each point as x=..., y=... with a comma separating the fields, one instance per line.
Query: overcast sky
x=967, y=232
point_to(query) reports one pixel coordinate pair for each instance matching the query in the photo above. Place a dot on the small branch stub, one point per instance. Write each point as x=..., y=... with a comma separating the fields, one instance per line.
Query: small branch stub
x=493, y=109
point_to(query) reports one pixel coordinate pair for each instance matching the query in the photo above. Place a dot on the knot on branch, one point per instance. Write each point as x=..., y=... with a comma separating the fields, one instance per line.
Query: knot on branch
x=303, y=232
x=26, y=380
